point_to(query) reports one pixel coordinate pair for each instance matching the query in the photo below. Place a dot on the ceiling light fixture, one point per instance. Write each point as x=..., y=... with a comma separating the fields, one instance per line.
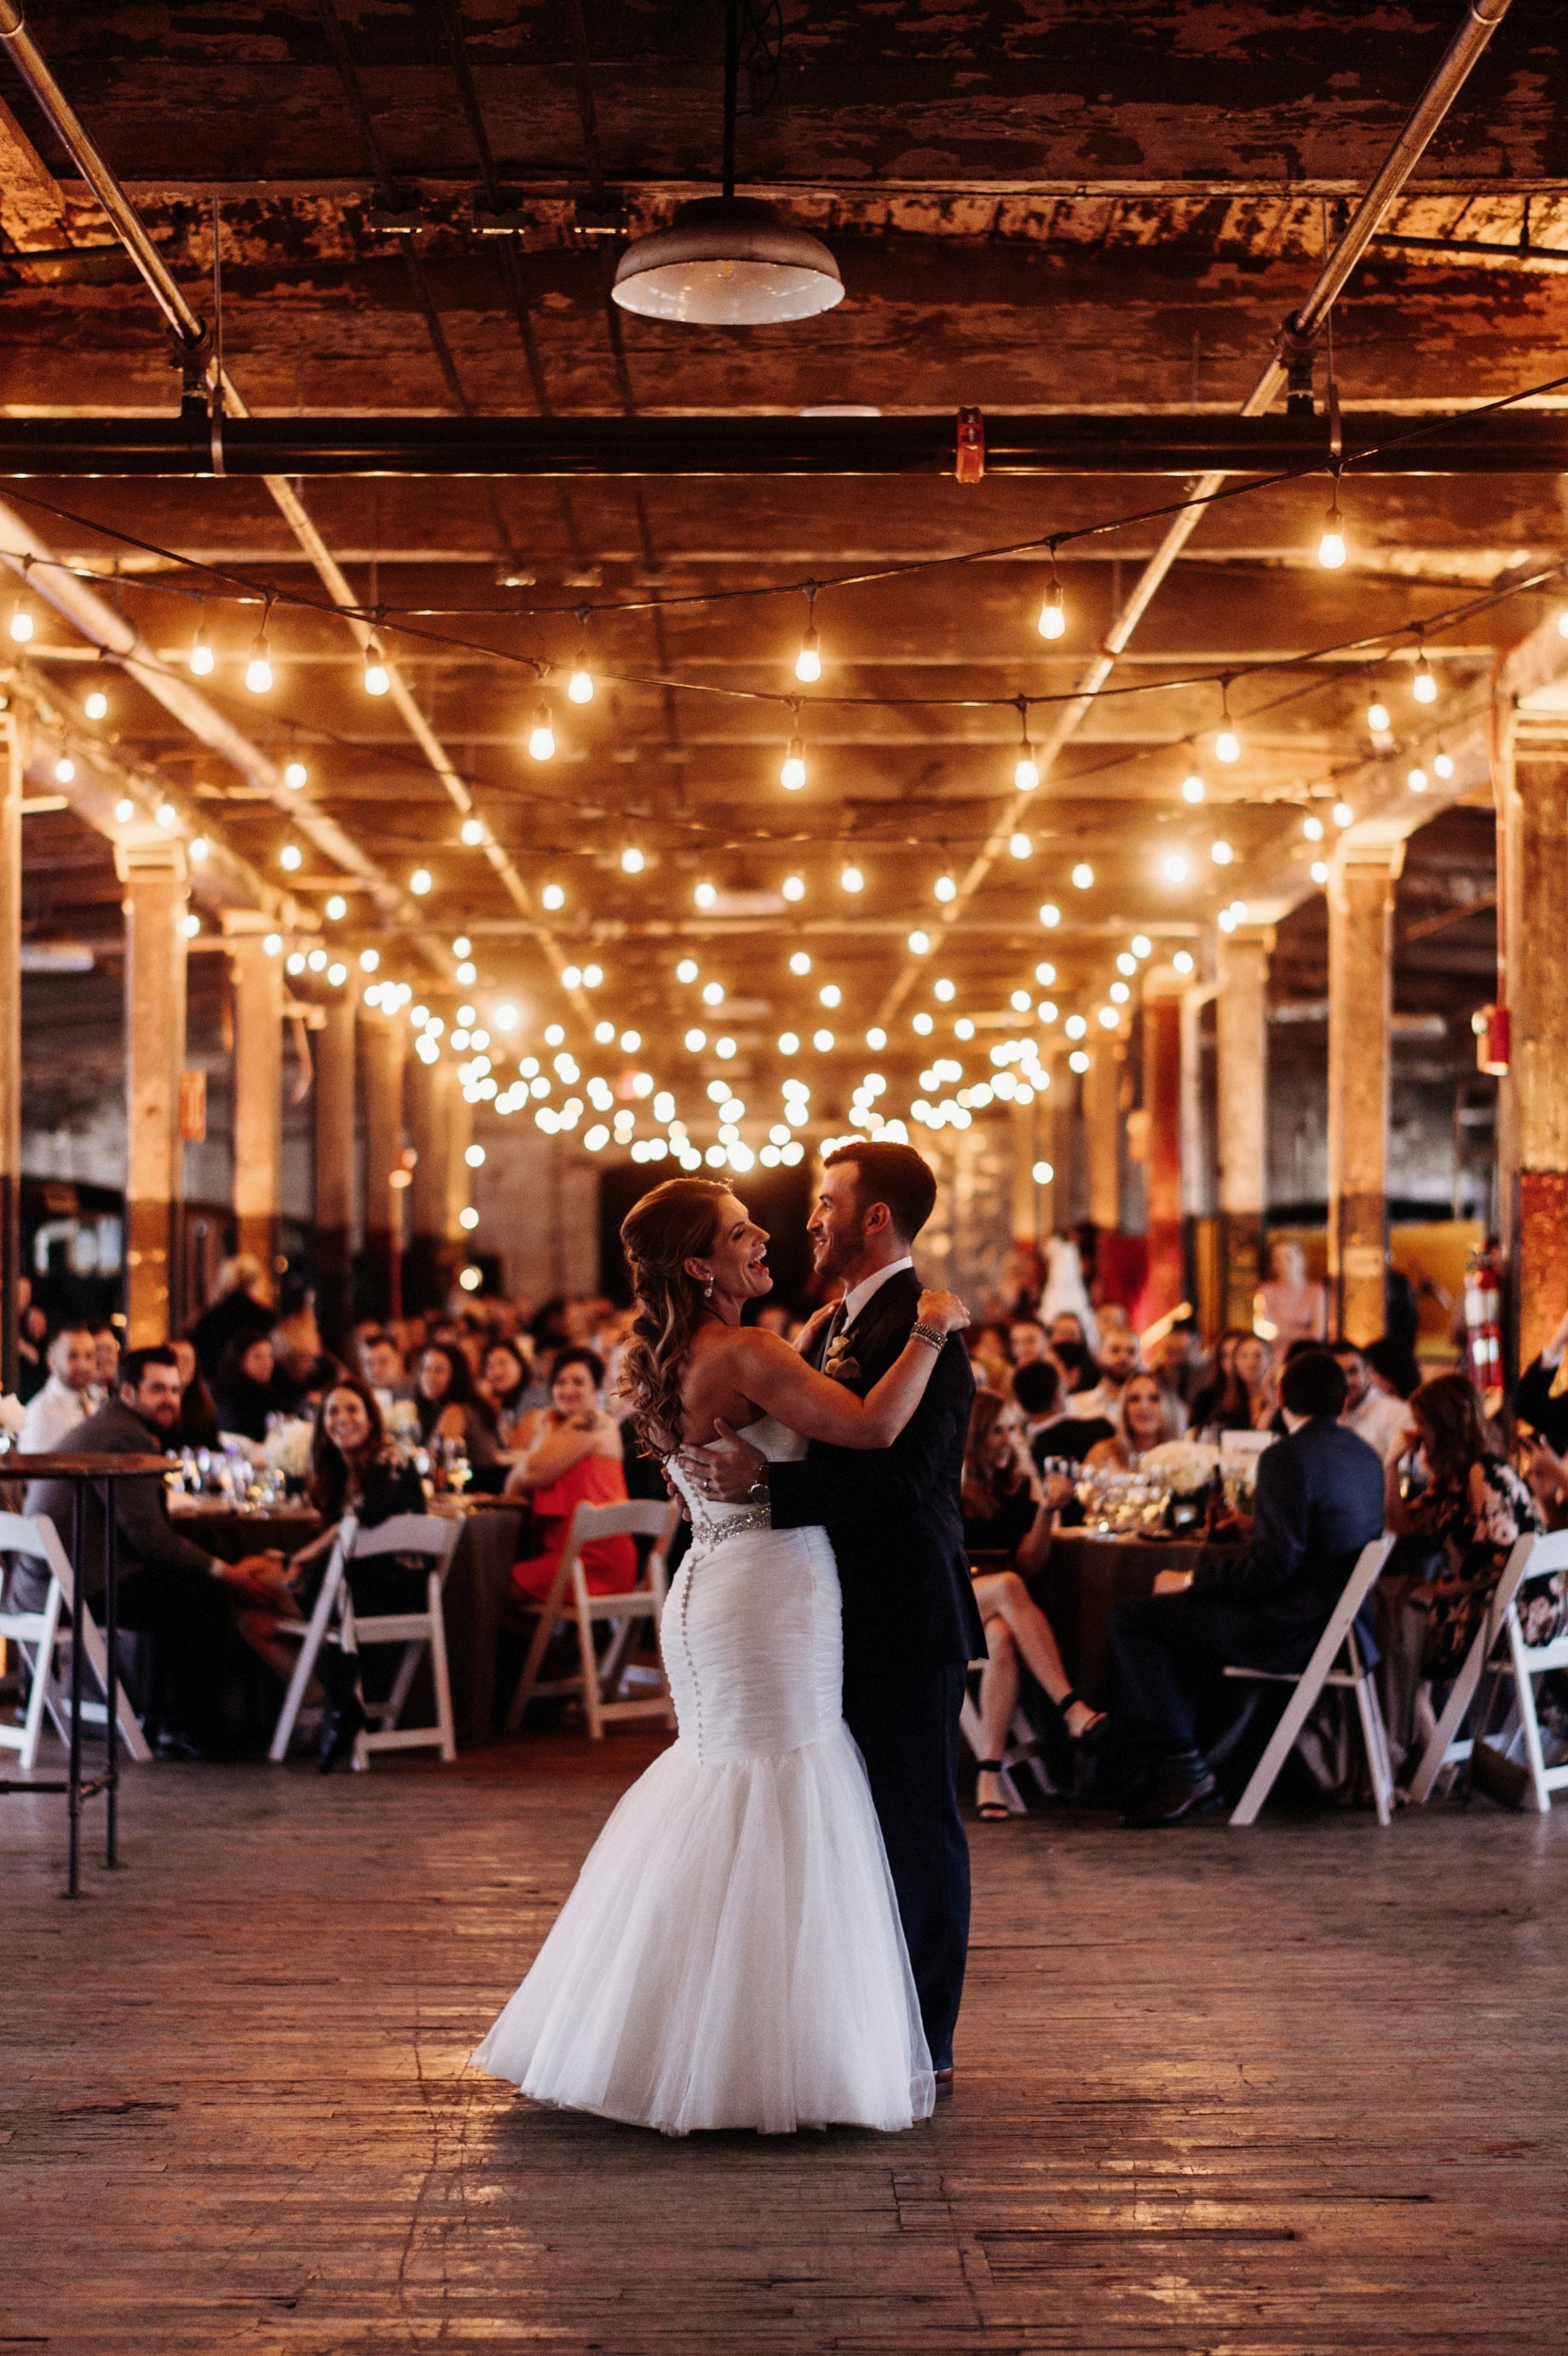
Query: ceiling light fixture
x=792, y=776
x=542, y=735
x=1052, y=623
x=580, y=686
x=259, y=669
x=1424, y=686
x=1227, y=743
x=202, y=658
x=808, y=661
x=377, y=677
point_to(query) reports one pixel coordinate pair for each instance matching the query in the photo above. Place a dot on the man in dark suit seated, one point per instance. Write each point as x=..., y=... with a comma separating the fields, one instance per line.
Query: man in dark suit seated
x=1320, y=1501
x=172, y=1590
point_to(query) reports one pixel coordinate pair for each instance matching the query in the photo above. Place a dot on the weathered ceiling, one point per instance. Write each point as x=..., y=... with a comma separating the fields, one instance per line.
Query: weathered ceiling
x=1084, y=208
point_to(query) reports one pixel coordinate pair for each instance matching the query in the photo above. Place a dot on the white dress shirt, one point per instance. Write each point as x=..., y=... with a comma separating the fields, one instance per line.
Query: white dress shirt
x=1377, y=1418
x=54, y=1411
x=855, y=1300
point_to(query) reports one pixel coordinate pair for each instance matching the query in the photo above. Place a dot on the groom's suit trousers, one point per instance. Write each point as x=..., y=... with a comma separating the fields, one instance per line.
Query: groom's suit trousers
x=904, y=1716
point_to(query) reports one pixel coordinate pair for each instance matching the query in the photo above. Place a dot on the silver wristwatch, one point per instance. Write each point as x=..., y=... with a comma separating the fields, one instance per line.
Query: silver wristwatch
x=759, y=1493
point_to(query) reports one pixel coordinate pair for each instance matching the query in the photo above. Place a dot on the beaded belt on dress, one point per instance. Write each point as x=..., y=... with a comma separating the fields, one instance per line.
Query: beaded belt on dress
x=706, y=1531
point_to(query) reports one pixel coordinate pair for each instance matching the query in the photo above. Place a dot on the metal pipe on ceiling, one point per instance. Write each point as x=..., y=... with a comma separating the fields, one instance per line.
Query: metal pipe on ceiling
x=1480, y=21
x=1514, y=442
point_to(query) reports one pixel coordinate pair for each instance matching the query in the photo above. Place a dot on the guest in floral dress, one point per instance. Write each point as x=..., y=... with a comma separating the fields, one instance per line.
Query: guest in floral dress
x=1466, y=1516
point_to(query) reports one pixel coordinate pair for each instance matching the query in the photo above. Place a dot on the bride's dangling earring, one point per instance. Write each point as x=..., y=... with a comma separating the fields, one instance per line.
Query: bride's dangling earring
x=708, y=1290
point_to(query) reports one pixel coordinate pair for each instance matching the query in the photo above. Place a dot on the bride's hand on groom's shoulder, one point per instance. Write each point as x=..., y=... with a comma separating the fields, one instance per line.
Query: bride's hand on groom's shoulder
x=943, y=1309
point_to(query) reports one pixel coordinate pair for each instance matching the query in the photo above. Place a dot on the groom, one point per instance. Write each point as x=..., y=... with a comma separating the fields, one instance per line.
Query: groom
x=910, y=1622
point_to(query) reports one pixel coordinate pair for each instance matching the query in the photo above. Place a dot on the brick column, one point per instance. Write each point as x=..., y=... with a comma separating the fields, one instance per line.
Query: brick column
x=1240, y=1031
x=256, y=972
x=1164, y=1285
x=1538, y=855
x=381, y=1047
x=1361, y=1007
x=12, y=766
x=335, y=1188
x=155, y=905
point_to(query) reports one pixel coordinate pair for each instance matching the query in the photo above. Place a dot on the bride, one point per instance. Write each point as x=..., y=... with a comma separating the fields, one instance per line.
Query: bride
x=732, y=1955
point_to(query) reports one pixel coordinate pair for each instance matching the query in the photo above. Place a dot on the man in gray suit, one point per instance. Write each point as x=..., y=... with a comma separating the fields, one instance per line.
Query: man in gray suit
x=176, y=1592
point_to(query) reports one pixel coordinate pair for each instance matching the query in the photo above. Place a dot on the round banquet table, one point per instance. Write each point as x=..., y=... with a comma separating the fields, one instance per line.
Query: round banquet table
x=473, y=1600
x=1087, y=1573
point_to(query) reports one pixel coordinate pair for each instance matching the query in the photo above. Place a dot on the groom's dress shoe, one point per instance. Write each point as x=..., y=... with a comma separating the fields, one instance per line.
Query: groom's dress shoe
x=944, y=2082
x=1172, y=1798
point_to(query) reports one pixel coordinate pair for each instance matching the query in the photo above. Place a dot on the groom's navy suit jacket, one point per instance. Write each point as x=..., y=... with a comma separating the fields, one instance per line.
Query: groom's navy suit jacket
x=893, y=1513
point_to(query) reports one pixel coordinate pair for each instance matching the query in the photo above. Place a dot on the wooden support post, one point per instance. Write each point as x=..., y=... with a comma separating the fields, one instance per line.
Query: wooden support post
x=1241, y=1027
x=440, y=1131
x=382, y=1042
x=1360, y=1009
x=1103, y=1120
x=1025, y=1191
x=334, y=1171
x=256, y=968
x=1164, y=1286
x=155, y=905
x=1538, y=860
x=11, y=765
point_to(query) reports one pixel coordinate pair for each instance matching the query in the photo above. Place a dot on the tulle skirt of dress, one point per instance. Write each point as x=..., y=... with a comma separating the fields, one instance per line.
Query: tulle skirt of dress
x=732, y=1955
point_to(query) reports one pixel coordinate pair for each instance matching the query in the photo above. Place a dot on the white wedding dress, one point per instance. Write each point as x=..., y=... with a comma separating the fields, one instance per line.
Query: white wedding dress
x=732, y=1955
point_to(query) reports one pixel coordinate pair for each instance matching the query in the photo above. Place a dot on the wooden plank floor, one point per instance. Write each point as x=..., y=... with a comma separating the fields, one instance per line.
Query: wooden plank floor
x=1302, y=2089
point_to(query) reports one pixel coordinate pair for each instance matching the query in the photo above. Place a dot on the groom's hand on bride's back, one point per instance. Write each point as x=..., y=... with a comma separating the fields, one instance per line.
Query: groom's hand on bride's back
x=727, y=1469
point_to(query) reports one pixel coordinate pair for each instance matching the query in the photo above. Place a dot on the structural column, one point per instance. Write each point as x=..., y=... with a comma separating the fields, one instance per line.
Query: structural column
x=381, y=1043
x=12, y=764
x=155, y=905
x=334, y=1171
x=440, y=1131
x=1537, y=1002
x=1164, y=1287
x=256, y=969
x=1360, y=1009
x=1103, y=1122
x=1240, y=1037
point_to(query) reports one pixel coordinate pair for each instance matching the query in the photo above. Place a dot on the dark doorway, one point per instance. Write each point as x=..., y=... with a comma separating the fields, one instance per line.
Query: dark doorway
x=779, y=1199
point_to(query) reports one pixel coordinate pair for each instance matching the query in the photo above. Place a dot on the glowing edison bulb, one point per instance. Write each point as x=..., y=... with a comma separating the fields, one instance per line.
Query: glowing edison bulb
x=1424, y=686
x=65, y=770
x=471, y=832
x=580, y=686
x=1021, y=846
x=1082, y=875
x=793, y=887
x=1417, y=779
x=945, y=888
x=1443, y=766
x=851, y=880
x=808, y=661
x=1227, y=745
x=291, y=857
x=259, y=669
x=792, y=776
x=377, y=677
x=202, y=660
x=1193, y=787
x=1026, y=773
x=97, y=705
x=297, y=775
x=1377, y=716
x=632, y=861
x=21, y=621
x=542, y=735
x=1331, y=547
x=1052, y=621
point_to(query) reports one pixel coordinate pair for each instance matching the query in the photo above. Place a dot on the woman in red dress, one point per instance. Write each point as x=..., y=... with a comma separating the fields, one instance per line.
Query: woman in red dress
x=572, y=1457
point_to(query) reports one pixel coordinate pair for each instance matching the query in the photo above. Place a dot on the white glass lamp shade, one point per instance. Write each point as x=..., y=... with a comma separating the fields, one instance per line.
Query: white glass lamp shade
x=728, y=262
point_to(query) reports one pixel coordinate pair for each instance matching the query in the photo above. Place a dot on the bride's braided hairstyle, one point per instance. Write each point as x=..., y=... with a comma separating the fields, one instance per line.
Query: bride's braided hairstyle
x=678, y=1221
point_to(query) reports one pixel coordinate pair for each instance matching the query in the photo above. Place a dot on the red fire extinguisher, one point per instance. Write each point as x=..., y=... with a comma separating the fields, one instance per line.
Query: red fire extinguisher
x=1483, y=1328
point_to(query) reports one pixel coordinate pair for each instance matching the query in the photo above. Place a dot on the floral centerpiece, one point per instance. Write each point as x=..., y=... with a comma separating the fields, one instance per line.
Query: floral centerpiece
x=287, y=1448
x=1186, y=1467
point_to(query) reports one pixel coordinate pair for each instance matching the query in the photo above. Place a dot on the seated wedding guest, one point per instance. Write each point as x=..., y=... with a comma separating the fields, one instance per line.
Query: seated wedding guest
x=246, y=1391
x=32, y=1339
x=174, y=1591
x=237, y=1312
x=106, y=1353
x=1007, y=1511
x=504, y=1382
x=1026, y=1340
x=1290, y=1306
x=446, y=1406
x=1370, y=1412
x=1068, y=1326
x=1117, y=1358
x=381, y=1368
x=1143, y=1420
x=69, y=1396
x=1390, y=1368
x=572, y=1457
x=1241, y=1398
x=1173, y=1356
x=1318, y=1501
x=1542, y=1398
x=198, y=1413
x=989, y=1354
x=1049, y=1429
x=1473, y=1506
x=353, y=1470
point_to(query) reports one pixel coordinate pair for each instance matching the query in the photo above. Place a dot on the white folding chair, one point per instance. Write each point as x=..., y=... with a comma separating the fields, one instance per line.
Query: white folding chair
x=1529, y=1558
x=600, y=1684
x=1022, y=1748
x=434, y=1538
x=1336, y=1661
x=42, y=1636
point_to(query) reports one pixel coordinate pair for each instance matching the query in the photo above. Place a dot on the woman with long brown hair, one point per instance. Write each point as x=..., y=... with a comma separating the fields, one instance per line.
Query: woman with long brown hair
x=732, y=1955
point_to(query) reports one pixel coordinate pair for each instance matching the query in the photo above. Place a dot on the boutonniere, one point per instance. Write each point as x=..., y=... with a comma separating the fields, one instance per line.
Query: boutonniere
x=845, y=1369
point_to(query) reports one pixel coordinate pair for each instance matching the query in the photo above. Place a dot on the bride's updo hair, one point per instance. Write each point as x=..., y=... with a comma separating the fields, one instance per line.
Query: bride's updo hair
x=677, y=1222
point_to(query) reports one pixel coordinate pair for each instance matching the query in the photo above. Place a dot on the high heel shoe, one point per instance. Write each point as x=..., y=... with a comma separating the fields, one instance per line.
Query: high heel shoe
x=343, y=1720
x=991, y=1812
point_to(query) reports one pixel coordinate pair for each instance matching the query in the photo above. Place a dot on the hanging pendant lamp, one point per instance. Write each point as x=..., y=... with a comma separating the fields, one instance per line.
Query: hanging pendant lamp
x=729, y=260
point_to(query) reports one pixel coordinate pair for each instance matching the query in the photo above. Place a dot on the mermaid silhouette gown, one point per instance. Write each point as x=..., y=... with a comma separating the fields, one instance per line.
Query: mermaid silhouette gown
x=732, y=1955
